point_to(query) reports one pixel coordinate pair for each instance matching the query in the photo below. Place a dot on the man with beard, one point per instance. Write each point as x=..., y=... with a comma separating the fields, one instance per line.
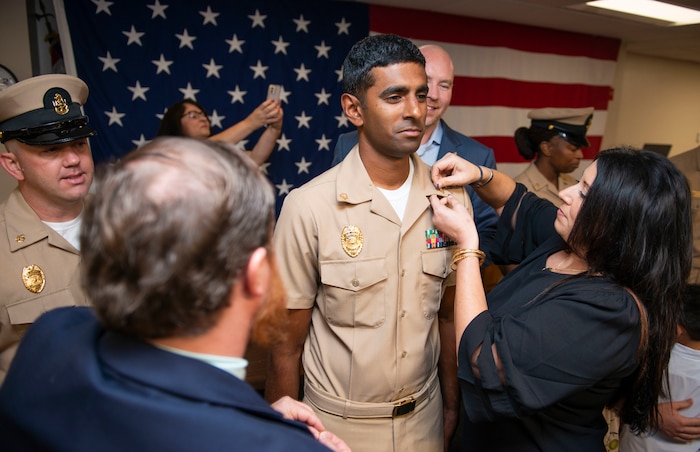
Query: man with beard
x=177, y=260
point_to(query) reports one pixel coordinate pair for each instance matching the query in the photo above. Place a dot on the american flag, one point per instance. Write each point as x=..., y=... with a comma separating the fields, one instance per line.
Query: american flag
x=504, y=70
x=140, y=57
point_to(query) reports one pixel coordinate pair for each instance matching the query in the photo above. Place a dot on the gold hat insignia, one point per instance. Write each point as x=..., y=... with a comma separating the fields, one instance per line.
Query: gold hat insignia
x=60, y=105
x=33, y=278
x=352, y=241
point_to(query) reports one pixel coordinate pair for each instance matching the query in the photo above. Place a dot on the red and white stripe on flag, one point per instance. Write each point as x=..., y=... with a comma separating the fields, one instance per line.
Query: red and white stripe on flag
x=504, y=70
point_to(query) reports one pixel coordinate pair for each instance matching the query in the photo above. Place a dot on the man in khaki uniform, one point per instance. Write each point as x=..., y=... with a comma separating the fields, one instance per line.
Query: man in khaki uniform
x=555, y=138
x=365, y=271
x=45, y=135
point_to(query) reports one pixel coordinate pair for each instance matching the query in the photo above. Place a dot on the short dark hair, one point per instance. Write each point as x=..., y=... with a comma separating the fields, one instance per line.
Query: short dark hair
x=171, y=124
x=376, y=51
x=635, y=228
x=690, y=315
x=168, y=232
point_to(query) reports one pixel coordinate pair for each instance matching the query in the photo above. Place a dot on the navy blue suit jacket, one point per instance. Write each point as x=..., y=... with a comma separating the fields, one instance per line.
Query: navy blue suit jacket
x=467, y=148
x=74, y=386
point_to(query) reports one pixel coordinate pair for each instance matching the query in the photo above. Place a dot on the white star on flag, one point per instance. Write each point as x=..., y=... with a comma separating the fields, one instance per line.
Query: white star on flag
x=115, y=117
x=209, y=16
x=303, y=120
x=134, y=36
x=109, y=62
x=303, y=166
x=139, y=92
x=284, y=187
x=258, y=19
x=158, y=10
x=237, y=95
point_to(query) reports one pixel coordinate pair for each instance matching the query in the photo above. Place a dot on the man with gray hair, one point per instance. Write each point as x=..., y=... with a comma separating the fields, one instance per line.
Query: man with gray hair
x=178, y=263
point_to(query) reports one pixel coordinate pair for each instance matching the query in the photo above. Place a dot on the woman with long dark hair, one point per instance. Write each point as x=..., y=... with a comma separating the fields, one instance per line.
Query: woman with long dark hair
x=587, y=319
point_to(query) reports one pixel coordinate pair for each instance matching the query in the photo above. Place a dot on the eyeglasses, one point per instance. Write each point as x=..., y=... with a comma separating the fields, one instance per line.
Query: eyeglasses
x=194, y=114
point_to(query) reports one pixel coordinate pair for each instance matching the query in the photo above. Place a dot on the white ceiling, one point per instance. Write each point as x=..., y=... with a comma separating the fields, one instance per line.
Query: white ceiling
x=644, y=38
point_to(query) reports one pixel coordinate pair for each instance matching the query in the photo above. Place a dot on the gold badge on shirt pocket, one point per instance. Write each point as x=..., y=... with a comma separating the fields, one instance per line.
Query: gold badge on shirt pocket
x=351, y=240
x=33, y=278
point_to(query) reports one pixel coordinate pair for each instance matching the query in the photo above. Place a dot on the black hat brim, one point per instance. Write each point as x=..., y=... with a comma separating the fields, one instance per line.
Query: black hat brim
x=54, y=133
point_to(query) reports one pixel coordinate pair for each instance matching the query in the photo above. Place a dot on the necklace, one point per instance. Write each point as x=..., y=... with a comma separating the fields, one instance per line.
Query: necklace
x=573, y=268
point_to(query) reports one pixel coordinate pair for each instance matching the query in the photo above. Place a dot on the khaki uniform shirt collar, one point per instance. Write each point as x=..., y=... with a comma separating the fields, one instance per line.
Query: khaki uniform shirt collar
x=24, y=227
x=353, y=185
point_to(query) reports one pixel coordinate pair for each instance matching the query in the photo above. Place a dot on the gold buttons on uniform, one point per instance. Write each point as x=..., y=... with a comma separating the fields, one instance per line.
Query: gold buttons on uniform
x=20, y=238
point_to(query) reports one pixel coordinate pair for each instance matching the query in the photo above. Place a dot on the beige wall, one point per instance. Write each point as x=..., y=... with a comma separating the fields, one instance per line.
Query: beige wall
x=655, y=100
x=14, y=54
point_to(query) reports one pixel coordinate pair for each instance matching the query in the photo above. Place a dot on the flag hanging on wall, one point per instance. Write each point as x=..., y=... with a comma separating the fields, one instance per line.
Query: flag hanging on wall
x=504, y=70
x=140, y=57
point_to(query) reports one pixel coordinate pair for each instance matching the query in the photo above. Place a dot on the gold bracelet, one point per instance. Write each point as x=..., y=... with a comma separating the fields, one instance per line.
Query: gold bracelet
x=461, y=254
x=485, y=183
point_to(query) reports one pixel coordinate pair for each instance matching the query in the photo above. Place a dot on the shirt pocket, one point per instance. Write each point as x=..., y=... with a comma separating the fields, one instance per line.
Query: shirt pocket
x=29, y=309
x=435, y=266
x=354, y=292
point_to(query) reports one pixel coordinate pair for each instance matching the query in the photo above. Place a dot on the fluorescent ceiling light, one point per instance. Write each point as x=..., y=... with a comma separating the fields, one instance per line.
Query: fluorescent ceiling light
x=676, y=15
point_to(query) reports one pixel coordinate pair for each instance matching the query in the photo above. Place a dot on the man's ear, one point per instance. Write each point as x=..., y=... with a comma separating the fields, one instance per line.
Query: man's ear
x=9, y=162
x=352, y=107
x=257, y=274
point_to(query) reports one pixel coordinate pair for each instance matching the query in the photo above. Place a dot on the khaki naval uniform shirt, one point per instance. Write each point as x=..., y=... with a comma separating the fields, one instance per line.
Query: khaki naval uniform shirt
x=25, y=242
x=539, y=185
x=374, y=332
x=689, y=164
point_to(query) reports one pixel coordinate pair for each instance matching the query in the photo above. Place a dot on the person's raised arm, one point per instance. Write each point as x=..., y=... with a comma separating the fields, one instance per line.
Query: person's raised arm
x=453, y=219
x=491, y=185
x=266, y=113
x=267, y=141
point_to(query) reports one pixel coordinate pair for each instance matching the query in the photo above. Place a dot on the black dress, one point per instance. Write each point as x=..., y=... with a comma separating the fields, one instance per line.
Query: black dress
x=566, y=344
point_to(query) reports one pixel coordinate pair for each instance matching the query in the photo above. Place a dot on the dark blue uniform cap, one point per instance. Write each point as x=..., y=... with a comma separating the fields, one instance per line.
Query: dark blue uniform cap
x=572, y=124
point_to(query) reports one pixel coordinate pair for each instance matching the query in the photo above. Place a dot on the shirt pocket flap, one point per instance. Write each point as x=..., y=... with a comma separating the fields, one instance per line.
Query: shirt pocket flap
x=436, y=262
x=355, y=275
x=28, y=310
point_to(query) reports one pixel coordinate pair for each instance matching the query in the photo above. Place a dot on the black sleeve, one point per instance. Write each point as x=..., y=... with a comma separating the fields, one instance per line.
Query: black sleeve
x=534, y=224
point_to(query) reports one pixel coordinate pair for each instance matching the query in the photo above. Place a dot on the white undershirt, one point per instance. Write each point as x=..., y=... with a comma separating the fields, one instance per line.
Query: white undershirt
x=235, y=366
x=69, y=230
x=399, y=198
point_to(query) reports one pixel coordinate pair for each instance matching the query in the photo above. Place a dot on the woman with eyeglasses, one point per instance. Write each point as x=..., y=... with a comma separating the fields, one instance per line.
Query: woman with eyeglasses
x=187, y=118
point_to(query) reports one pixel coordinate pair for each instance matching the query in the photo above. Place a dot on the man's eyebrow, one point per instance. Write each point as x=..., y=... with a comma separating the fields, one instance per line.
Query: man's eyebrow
x=396, y=89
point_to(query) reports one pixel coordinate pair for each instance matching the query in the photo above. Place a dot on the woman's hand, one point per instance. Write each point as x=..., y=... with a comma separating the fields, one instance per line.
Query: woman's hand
x=454, y=171
x=453, y=219
x=266, y=113
x=275, y=120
